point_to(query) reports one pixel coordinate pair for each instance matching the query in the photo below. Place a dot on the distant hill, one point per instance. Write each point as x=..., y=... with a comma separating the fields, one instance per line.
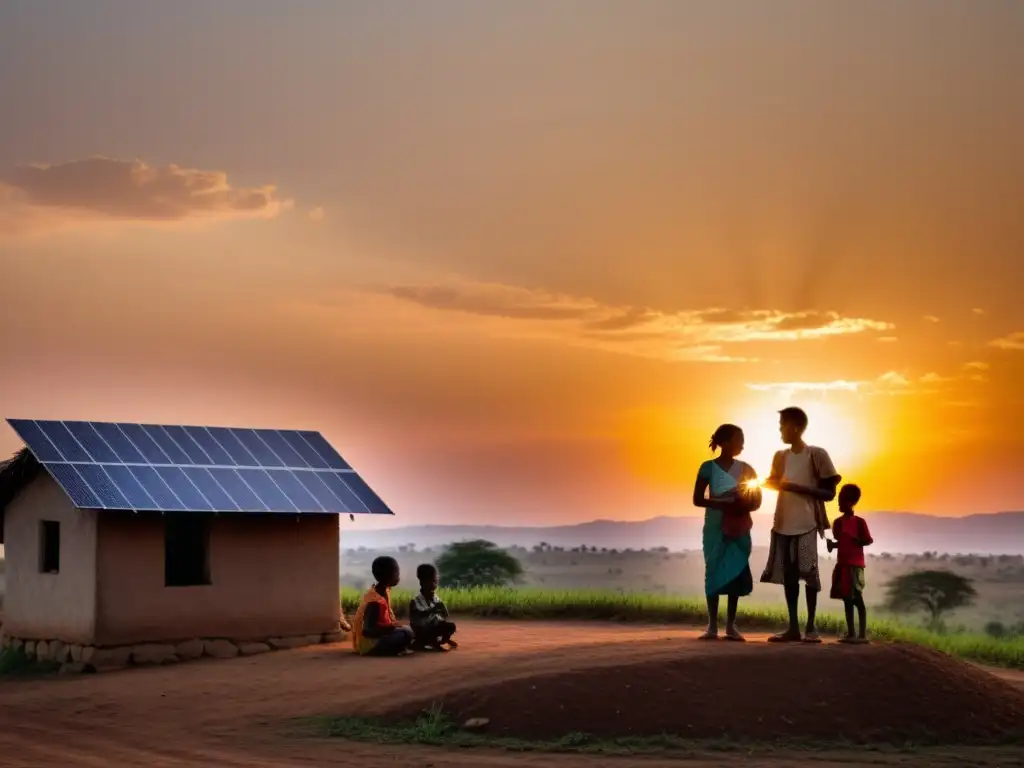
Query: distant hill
x=1000, y=533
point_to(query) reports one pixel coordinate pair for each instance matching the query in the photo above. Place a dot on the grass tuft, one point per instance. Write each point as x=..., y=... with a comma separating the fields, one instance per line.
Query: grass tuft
x=596, y=605
x=16, y=663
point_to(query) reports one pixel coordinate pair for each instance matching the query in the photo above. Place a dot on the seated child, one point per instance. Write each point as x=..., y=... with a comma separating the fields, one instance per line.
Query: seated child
x=851, y=536
x=375, y=631
x=428, y=615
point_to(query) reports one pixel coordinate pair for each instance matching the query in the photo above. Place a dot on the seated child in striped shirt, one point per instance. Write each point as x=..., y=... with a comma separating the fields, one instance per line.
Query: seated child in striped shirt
x=428, y=615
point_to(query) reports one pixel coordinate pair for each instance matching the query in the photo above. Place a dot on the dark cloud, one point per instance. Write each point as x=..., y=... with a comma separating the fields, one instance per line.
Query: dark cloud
x=496, y=301
x=803, y=321
x=131, y=189
x=624, y=321
x=727, y=316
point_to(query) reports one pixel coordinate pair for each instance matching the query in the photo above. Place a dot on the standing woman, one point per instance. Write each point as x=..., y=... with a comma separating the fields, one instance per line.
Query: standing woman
x=732, y=496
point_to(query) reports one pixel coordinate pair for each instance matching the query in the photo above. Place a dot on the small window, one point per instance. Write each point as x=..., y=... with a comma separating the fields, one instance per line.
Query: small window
x=49, y=546
x=186, y=550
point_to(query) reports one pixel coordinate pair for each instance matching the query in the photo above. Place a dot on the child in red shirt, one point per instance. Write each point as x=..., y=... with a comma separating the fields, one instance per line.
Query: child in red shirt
x=851, y=536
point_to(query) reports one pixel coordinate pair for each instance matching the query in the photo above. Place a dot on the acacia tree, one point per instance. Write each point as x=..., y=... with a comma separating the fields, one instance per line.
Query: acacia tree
x=935, y=592
x=477, y=563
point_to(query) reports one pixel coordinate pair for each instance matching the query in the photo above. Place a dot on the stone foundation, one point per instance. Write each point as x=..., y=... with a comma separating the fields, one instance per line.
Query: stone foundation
x=87, y=658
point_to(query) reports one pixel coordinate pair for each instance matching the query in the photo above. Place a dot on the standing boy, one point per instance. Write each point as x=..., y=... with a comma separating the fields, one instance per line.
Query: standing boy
x=805, y=478
x=851, y=536
x=428, y=615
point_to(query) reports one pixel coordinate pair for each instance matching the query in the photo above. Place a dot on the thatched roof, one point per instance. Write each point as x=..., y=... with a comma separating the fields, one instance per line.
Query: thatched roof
x=15, y=473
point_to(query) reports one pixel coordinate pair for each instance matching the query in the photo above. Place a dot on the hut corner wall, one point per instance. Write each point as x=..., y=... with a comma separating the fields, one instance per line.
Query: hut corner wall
x=49, y=606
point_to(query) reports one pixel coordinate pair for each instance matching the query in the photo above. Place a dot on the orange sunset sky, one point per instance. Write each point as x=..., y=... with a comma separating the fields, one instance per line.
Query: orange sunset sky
x=517, y=260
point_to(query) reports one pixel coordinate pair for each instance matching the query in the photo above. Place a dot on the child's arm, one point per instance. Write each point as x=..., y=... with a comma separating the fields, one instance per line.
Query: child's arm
x=442, y=609
x=865, y=539
x=833, y=543
x=419, y=615
x=371, y=622
x=774, y=480
x=826, y=491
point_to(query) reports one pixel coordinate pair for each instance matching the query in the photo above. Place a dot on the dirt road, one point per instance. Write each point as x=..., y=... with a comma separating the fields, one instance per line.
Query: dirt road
x=234, y=713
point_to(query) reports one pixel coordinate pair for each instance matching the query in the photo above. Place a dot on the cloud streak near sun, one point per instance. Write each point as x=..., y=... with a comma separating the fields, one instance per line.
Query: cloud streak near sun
x=698, y=335
x=888, y=383
x=103, y=188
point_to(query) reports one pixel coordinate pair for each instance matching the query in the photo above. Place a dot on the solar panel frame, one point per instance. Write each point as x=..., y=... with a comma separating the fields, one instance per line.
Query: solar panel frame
x=163, y=468
x=74, y=485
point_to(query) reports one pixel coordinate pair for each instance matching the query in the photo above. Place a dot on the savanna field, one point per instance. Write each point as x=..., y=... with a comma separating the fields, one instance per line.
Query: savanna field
x=661, y=586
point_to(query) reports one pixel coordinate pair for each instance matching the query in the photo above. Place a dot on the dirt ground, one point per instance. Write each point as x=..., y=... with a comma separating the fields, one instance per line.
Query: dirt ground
x=235, y=713
x=879, y=694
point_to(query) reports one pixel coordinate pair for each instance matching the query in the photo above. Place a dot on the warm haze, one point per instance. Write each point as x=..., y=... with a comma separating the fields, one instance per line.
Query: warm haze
x=517, y=261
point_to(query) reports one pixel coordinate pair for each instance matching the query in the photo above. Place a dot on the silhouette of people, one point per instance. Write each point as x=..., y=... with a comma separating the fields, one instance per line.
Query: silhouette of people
x=805, y=478
x=375, y=630
x=851, y=536
x=732, y=496
x=428, y=615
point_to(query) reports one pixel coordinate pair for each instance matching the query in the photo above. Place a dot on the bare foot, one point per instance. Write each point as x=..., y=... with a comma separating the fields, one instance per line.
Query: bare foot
x=452, y=644
x=789, y=636
x=848, y=639
x=731, y=633
x=861, y=640
x=812, y=636
x=345, y=626
x=709, y=634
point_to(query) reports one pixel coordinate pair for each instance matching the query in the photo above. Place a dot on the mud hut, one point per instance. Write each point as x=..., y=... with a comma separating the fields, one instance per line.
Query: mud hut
x=155, y=543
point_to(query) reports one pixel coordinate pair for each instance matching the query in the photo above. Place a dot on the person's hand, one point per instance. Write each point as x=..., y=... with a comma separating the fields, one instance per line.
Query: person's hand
x=723, y=499
x=797, y=488
x=745, y=503
x=831, y=544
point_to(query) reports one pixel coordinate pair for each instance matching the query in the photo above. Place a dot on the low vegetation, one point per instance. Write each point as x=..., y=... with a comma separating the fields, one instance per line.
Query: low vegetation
x=435, y=728
x=15, y=663
x=533, y=603
x=997, y=579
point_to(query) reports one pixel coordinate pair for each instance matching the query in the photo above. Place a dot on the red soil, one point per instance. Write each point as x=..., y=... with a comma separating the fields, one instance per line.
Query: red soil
x=867, y=694
x=236, y=713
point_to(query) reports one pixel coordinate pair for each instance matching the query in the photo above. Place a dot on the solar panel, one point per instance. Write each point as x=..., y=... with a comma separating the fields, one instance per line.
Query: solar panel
x=160, y=468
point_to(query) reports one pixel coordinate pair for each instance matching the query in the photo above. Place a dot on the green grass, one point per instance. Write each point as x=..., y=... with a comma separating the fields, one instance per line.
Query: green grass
x=530, y=603
x=435, y=728
x=15, y=663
